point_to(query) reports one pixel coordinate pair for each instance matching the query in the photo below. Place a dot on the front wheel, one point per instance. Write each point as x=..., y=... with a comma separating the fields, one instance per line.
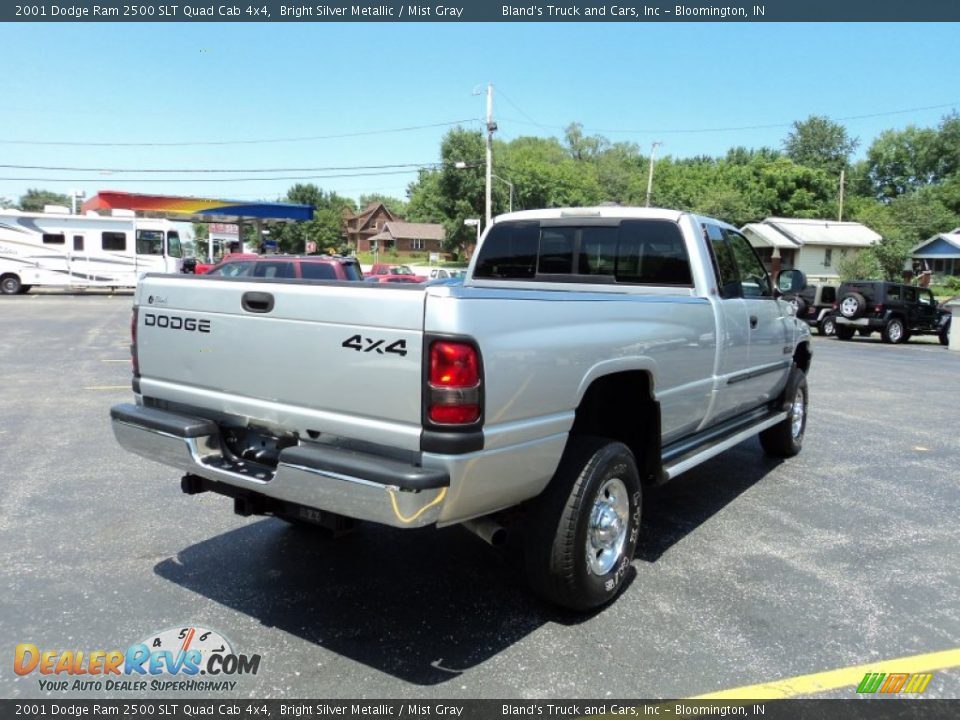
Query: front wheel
x=582, y=531
x=10, y=284
x=785, y=439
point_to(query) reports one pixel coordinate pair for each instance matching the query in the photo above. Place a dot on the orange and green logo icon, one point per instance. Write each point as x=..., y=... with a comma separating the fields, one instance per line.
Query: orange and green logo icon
x=894, y=683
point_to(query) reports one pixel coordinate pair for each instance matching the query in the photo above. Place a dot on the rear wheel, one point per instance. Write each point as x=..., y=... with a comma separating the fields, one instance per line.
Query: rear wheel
x=944, y=335
x=845, y=333
x=582, y=531
x=827, y=326
x=10, y=284
x=894, y=331
x=785, y=439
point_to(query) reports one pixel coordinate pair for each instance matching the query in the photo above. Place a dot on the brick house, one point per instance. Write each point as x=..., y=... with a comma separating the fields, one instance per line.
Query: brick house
x=360, y=228
x=405, y=238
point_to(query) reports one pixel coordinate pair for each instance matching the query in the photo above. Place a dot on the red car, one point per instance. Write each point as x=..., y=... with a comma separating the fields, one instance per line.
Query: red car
x=200, y=268
x=386, y=273
x=307, y=267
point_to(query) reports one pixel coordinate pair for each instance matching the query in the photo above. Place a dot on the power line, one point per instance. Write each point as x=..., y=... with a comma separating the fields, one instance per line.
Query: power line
x=214, y=170
x=307, y=138
x=211, y=180
x=730, y=129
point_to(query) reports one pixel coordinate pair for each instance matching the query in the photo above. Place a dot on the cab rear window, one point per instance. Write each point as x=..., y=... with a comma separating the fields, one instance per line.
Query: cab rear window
x=644, y=252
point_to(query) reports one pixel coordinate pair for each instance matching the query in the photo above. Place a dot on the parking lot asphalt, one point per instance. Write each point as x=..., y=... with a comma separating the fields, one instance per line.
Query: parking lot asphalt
x=748, y=570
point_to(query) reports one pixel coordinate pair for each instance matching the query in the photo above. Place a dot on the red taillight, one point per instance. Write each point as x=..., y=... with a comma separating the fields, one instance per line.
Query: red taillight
x=454, y=383
x=133, y=343
x=453, y=365
x=878, y=308
x=454, y=414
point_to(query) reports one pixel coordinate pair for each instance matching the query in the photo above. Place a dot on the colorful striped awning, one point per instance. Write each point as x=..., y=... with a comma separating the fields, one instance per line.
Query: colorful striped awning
x=199, y=209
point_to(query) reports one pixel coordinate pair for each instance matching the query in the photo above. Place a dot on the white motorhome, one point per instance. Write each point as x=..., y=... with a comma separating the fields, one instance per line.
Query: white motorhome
x=56, y=248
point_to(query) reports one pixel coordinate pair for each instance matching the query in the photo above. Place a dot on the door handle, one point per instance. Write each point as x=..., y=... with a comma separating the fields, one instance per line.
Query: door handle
x=753, y=322
x=257, y=302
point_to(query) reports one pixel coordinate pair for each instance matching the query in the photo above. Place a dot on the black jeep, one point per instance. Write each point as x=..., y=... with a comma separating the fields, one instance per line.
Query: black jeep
x=897, y=311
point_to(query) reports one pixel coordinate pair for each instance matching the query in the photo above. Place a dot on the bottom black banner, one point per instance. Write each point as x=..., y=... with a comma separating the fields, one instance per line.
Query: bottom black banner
x=892, y=708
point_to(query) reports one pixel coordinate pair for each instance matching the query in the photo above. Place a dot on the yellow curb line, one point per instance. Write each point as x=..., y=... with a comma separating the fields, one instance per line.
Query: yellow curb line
x=835, y=679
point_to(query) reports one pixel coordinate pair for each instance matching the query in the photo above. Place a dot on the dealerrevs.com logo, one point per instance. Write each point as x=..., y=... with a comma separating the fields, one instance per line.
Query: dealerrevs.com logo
x=180, y=659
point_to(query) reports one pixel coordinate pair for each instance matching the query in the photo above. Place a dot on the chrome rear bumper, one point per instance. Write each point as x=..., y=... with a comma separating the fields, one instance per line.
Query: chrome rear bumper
x=347, y=483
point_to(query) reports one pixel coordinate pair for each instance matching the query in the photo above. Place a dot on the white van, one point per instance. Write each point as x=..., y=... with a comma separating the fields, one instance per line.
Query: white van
x=55, y=248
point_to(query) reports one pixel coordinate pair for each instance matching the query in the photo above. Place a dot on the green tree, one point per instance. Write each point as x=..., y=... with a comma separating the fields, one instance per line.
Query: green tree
x=583, y=147
x=900, y=161
x=861, y=265
x=33, y=200
x=326, y=227
x=820, y=143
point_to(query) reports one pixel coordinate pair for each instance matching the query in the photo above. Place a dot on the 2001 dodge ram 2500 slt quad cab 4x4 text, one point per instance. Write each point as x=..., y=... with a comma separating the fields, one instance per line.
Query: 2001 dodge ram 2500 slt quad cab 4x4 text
x=588, y=353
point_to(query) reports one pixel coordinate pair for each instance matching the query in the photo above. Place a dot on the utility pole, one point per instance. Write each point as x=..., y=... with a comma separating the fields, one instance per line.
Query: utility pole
x=653, y=150
x=491, y=128
x=840, y=212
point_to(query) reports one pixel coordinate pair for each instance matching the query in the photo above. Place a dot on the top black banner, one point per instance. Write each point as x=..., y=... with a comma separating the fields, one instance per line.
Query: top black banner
x=487, y=11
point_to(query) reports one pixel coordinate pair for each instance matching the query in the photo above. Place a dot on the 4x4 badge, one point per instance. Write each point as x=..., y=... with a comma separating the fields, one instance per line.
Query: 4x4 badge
x=356, y=342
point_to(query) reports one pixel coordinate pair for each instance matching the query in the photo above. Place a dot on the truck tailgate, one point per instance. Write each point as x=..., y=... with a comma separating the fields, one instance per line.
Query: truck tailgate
x=339, y=358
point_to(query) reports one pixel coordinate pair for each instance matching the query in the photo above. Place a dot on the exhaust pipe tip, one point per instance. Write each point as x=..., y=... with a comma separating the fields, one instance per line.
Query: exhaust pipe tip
x=488, y=530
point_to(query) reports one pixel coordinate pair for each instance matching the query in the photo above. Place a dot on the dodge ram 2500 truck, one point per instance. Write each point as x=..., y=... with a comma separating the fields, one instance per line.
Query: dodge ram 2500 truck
x=589, y=352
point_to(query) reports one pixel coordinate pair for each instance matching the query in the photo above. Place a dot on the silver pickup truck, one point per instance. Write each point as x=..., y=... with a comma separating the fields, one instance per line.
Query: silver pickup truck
x=588, y=353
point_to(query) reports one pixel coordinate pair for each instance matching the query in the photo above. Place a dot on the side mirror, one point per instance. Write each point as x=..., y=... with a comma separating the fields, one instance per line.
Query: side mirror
x=791, y=281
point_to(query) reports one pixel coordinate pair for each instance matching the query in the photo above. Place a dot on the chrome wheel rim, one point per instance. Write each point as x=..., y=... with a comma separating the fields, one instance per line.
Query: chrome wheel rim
x=895, y=331
x=828, y=327
x=848, y=307
x=797, y=412
x=607, y=531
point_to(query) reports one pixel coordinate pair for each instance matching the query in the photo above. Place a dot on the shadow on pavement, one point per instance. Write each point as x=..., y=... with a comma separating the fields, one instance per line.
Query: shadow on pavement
x=422, y=605
x=673, y=511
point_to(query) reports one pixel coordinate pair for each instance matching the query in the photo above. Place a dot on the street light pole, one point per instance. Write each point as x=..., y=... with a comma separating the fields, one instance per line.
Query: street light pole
x=491, y=127
x=510, y=184
x=474, y=222
x=653, y=150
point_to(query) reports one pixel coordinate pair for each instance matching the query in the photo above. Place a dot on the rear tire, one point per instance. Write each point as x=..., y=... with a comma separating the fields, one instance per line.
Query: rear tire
x=582, y=531
x=10, y=284
x=827, y=327
x=785, y=439
x=894, y=332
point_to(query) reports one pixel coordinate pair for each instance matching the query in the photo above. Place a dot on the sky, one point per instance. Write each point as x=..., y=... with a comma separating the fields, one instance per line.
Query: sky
x=333, y=103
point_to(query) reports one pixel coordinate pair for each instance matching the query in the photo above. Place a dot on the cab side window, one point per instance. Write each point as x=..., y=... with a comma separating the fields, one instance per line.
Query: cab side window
x=728, y=277
x=754, y=281
x=277, y=269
